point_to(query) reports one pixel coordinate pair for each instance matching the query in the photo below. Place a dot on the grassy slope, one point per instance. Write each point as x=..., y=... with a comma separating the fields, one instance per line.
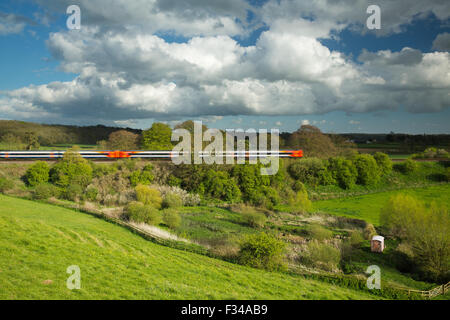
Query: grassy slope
x=40, y=241
x=368, y=207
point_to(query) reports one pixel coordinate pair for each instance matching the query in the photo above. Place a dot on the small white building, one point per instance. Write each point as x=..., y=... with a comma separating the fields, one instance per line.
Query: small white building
x=377, y=244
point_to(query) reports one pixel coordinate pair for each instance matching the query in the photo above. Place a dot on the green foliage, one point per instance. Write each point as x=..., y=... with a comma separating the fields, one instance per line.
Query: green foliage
x=369, y=231
x=301, y=201
x=407, y=167
x=343, y=172
x=91, y=193
x=38, y=173
x=384, y=162
x=425, y=229
x=250, y=182
x=141, y=213
x=44, y=191
x=317, y=232
x=219, y=185
x=122, y=140
x=148, y=196
x=254, y=219
x=173, y=181
x=171, y=218
x=158, y=137
x=368, y=171
x=100, y=170
x=5, y=184
x=312, y=171
x=73, y=192
x=144, y=176
x=31, y=140
x=172, y=200
x=356, y=239
x=447, y=174
x=72, y=169
x=322, y=256
x=263, y=251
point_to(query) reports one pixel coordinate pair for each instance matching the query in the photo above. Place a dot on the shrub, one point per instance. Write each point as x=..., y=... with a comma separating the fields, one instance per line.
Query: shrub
x=343, y=172
x=254, y=219
x=144, y=176
x=172, y=200
x=73, y=192
x=219, y=185
x=384, y=162
x=6, y=184
x=188, y=199
x=250, y=181
x=44, y=191
x=407, y=167
x=148, y=196
x=263, y=251
x=72, y=169
x=171, y=218
x=355, y=239
x=369, y=231
x=301, y=201
x=368, y=171
x=316, y=231
x=91, y=193
x=312, y=171
x=100, y=170
x=322, y=256
x=447, y=173
x=141, y=213
x=38, y=173
x=173, y=181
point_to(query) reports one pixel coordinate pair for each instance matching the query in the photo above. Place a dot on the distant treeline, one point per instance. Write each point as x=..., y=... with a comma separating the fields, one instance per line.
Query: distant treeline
x=49, y=135
x=307, y=137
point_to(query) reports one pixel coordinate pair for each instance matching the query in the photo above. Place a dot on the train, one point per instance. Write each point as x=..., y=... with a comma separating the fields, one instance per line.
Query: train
x=144, y=154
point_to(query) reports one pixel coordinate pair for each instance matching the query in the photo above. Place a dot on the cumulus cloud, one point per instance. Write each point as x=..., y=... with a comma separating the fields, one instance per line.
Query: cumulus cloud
x=127, y=70
x=442, y=42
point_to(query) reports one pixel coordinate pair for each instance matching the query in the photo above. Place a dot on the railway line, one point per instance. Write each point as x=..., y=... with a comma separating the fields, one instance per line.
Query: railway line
x=105, y=155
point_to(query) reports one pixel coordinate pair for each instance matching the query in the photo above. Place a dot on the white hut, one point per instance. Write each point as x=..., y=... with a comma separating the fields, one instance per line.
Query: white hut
x=377, y=244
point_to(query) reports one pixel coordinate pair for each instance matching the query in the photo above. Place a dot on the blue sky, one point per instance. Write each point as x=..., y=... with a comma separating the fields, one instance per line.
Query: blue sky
x=270, y=64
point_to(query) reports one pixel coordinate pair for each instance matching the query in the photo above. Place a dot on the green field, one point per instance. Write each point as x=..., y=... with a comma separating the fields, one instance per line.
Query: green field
x=40, y=241
x=367, y=207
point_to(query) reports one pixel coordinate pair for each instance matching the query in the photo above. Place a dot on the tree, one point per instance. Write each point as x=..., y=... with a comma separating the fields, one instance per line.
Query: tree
x=31, y=140
x=383, y=162
x=368, y=171
x=38, y=173
x=122, y=140
x=158, y=137
x=343, y=171
x=313, y=142
x=72, y=169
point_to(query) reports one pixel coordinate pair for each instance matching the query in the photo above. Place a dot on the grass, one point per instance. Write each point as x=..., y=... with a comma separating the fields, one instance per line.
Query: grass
x=367, y=207
x=40, y=241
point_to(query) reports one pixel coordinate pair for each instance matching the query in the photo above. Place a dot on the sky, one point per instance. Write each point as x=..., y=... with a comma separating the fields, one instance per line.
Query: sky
x=232, y=64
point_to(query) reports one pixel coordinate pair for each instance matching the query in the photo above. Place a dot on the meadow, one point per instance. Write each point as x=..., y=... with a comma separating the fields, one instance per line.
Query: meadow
x=367, y=207
x=40, y=241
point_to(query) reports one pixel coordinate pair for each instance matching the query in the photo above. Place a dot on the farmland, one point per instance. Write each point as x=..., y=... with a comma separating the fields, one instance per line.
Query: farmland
x=41, y=241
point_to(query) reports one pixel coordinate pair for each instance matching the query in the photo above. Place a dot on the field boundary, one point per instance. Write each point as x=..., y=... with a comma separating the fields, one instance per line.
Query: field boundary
x=442, y=289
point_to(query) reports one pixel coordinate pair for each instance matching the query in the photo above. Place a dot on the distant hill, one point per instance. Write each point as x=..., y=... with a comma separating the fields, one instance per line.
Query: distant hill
x=59, y=134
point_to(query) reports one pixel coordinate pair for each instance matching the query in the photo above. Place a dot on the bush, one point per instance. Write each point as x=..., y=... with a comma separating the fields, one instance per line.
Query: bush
x=72, y=169
x=301, y=201
x=73, y=192
x=141, y=213
x=5, y=184
x=38, y=173
x=322, y=256
x=312, y=171
x=407, y=167
x=144, y=176
x=172, y=200
x=91, y=193
x=254, y=219
x=384, y=162
x=369, y=231
x=44, y=191
x=343, y=172
x=318, y=232
x=355, y=239
x=219, y=185
x=148, y=196
x=100, y=170
x=263, y=251
x=368, y=171
x=171, y=218
x=447, y=173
